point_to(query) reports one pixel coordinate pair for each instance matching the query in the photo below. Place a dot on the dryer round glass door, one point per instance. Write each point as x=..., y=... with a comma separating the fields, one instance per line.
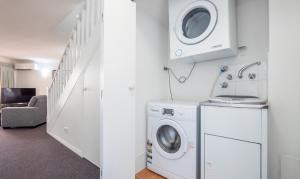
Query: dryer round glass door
x=196, y=22
x=169, y=139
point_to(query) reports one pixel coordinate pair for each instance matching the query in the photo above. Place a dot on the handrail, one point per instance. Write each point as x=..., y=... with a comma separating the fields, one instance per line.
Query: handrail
x=80, y=36
x=68, y=45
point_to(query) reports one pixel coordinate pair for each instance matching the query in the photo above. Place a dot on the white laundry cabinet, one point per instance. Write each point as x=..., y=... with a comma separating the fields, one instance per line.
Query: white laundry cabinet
x=234, y=141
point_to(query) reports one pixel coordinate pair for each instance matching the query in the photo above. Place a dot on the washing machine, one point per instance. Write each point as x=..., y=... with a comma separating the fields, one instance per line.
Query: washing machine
x=173, y=139
x=202, y=29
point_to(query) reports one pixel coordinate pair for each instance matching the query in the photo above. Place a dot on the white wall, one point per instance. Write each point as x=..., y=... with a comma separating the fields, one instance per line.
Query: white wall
x=67, y=126
x=284, y=89
x=252, y=26
x=33, y=79
x=77, y=125
x=151, y=80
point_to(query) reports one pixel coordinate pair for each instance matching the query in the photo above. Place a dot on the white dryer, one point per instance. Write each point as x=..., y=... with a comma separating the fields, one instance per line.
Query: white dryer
x=173, y=139
x=202, y=29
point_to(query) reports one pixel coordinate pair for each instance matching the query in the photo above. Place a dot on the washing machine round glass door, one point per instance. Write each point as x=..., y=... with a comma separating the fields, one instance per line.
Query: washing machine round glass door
x=169, y=139
x=196, y=22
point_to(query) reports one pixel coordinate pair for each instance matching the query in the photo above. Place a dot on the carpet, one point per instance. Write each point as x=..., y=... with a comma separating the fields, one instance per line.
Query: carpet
x=30, y=153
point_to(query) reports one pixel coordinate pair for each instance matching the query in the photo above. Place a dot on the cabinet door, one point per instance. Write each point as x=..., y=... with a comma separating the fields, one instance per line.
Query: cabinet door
x=90, y=124
x=118, y=110
x=224, y=121
x=231, y=159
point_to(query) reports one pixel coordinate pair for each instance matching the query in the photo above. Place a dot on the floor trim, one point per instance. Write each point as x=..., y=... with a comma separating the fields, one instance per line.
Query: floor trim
x=66, y=144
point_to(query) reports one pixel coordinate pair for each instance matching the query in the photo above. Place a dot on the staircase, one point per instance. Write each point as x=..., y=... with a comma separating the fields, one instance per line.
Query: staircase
x=84, y=41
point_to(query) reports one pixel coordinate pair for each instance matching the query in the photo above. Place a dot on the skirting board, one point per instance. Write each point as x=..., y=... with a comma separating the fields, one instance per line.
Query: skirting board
x=140, y=162
x=93, y=162
x=67, y=144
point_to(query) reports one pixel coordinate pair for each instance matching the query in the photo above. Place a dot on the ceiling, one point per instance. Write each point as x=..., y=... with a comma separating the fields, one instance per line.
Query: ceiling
x=36, y=29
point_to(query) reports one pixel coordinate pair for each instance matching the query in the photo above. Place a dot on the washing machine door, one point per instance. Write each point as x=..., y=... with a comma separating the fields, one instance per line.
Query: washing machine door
x=196, y=22
x=169, y=139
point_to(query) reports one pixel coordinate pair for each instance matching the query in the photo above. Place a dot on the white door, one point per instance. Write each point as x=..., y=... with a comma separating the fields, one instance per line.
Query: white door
x=91, y=116
x=118, y=155
x=231, y=159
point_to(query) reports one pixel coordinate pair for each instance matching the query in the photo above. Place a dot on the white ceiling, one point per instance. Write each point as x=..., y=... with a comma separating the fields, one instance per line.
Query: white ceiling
x=36, y=29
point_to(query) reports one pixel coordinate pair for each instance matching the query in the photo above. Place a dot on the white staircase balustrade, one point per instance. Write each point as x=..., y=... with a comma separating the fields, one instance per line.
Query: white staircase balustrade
x=83, y=39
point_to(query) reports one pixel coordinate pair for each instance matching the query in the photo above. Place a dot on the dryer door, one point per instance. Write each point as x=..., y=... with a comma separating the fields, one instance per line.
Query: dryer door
x=196, y=22
x=169, y=139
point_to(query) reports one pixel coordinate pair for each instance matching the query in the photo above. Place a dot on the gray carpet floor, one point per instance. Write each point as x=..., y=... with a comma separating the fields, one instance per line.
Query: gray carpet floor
x=33, y=154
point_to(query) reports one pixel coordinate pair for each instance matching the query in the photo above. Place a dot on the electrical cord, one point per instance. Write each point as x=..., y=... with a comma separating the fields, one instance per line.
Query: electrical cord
x=170, y=88
x=214, y=85
x=181, y=79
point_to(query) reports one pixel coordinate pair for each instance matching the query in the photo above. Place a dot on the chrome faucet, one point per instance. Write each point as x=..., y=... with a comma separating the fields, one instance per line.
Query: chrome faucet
x=241, y=71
